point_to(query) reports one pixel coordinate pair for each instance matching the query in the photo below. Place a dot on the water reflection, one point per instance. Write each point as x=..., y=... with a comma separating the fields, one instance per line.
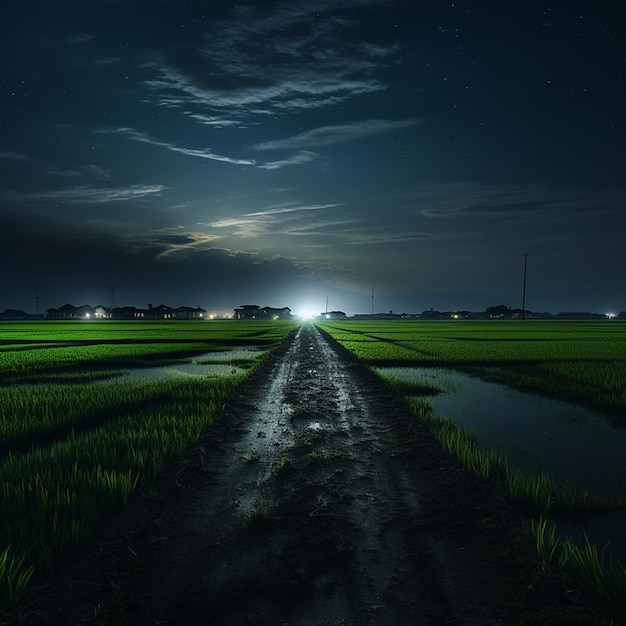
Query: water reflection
x=538, y=434
x=222, y=363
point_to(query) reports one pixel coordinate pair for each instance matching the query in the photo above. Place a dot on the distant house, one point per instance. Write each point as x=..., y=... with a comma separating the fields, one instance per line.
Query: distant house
x=188, y=313
x=271, y=313
x=101, y=312
x=254, y=312
x=14, y=314
x=333, y=315
x=71, y=312
x=127, y=313
x=85, y=312
x=247, y=312
x=161, y=312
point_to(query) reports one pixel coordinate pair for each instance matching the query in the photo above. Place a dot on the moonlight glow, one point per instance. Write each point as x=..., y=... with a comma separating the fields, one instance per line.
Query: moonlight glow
x=215, y=154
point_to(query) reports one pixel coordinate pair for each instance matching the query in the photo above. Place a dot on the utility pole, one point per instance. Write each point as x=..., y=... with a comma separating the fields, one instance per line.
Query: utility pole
x=112, y=288
x=525, y=255
x=326, y=304
x=372, y=301
x=36, y=305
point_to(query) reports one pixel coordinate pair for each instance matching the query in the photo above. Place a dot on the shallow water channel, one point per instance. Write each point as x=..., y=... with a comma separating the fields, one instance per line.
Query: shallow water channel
x=224, y=362
x=538, y=434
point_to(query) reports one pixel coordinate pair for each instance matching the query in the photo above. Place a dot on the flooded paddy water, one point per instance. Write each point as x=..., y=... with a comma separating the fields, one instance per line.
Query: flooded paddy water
x=537, y=434
x=223, y=362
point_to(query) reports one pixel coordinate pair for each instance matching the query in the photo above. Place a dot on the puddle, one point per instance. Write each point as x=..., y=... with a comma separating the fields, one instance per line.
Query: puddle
x=538, y=434
x=209, y=364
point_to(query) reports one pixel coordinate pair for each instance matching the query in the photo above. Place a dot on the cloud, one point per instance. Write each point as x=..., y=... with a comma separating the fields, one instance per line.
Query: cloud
x=96, y=172
x=108, y=61
x=341, y=133
x=270, y=221
x=83, y=38
x=136, y=135
x=304, y=156
x=89, y=195
x=169, y=243
x=16, y=156
x=527, y=201
x=298, y=91
x=215, y=121
x=255, y=61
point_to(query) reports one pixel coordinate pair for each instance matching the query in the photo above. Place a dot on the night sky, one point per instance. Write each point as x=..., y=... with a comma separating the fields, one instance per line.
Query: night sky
x=283, y=152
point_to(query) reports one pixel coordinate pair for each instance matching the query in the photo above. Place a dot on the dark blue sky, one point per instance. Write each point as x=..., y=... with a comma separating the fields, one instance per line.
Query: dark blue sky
x=282, y=152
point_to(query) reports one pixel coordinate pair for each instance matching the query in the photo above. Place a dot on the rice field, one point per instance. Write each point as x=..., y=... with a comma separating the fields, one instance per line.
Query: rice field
x=582, y=362
x=579, y=362
x=73, y=449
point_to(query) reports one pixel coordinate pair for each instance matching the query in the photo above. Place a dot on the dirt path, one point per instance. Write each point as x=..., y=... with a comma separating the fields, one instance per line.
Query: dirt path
x=312, y=503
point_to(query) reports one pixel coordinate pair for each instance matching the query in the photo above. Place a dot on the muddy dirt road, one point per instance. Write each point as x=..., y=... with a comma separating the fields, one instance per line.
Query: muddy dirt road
x=313, y=502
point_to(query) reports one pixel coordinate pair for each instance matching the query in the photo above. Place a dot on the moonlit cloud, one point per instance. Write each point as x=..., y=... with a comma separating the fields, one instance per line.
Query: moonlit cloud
x=291, y=209
x=135, y=135
x=304, y=156
x=269, y=221
x=91, y=195
x=319, y=69
x=15, y=156
x=170, y=243
x=341, y=133
x=215, y=121
x=520, y=202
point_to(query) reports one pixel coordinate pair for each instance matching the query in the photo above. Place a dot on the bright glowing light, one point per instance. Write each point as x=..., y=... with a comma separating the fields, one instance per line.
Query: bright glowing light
x=611, y=315
x=306, y=313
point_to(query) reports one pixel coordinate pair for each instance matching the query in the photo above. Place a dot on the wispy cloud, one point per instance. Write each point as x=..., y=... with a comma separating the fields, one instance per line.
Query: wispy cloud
x=90, y=195
x=170, y=243
x=340, y=133
x=299, y=55
x=16, y=156
x=82, y=38
x=108, y=61
x=215, y=121
x=136, y=135
x=304, y=156
x=528, y=201
x=269, y=221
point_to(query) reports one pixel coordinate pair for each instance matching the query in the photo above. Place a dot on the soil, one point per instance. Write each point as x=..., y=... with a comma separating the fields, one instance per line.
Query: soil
x=316, y=499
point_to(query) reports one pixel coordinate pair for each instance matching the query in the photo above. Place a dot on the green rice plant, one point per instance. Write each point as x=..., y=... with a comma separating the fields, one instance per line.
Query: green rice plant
x=408, y=388
x=489, y=465
x=599, y=573
x=532, y=495
x=575, y=361
x=547, y=543
x=15, y=574
x=74, y=455
x=165, y=331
